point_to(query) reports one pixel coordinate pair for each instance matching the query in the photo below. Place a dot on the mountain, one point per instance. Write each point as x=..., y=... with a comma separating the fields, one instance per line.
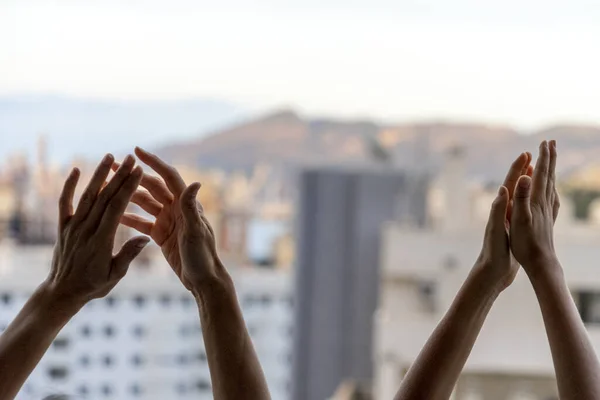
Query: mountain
x=284, y=138
x=91, y=127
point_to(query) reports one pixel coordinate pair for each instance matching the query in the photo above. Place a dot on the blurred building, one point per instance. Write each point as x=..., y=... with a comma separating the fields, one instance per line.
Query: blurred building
x=144, y=340
x=340, y=214
x=423, y=269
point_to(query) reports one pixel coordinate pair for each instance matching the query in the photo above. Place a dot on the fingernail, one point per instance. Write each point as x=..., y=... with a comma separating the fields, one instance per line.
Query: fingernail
x=524, y=183
x=137, y=170
x=108, y=159
x=501, y=191
x=553, y=142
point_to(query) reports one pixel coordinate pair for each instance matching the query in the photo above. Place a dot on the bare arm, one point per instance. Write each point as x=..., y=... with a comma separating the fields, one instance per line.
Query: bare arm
x=437, y=368
x=435, y=372
x=536, y=207
x=234, y=367
x=83, y=268
x=188, y=243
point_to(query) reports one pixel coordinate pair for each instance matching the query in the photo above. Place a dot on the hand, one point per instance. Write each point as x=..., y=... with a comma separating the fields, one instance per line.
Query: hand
x=536, y=207
x=495, y=260
x=83, y=266
x=180, y=228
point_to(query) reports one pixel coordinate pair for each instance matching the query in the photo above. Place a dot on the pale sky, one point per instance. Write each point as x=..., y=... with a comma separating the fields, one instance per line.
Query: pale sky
x=527, y=63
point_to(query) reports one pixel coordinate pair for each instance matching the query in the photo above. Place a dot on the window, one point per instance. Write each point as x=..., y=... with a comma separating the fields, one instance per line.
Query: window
x=181, y=388
x=109, y=331
x=60, y=343
x=108, y=360
x=181, y=359
x=83, y=390
x=186, y=301
x=6, y=298
x=201, y=356
x=427, y=296
x=165, y=300
x=84, y=360
x=265, y=299
x=137, y=360
x=106, y=390
x=135, y=389
x=139, y=331
x=111, y=301
x=58, y=372
x=86, y=331
x=202, y=385
x=589, y=306
x=139, y=300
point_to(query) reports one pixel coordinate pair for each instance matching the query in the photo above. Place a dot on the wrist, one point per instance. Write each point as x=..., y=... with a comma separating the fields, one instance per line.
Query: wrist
x=486, y=283
x=485, y=276
x=52, y=306
x=544, y=269
x=216, y=284
x=54, y=303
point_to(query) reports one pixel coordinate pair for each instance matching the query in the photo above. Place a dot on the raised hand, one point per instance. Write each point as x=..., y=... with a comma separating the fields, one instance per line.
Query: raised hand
x=180, y=228
x=536, y=206
x=496, y=260
x=188, y=243
x=532, y=242
x=83, y=267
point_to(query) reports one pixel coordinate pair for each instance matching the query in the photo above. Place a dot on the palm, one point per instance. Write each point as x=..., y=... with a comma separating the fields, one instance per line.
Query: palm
x=164, y=233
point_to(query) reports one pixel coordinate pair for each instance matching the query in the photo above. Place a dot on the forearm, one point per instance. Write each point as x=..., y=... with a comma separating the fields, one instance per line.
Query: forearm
x=434, y=373
x=575, y=362
x=28, y=337
x=234, y=367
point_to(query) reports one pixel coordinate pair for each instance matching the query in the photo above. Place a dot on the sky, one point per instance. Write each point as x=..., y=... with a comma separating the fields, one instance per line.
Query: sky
x=524, y=63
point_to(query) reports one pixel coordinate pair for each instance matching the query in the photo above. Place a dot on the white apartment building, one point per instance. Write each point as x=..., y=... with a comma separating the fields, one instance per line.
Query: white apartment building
x=421, y=272
x=144, y=341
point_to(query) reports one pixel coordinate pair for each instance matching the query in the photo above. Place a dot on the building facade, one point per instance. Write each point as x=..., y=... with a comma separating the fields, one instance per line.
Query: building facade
x=144, y=341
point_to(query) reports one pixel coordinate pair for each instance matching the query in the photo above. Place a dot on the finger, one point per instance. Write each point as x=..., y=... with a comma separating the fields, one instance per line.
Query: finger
x=157, y=189
x=155, y=186
x=496, y=228
x=91, y=191
x=551, y=170
x=514, y=172
x=172, y=178
x=65, y=201
x=147, y=202
x=130, y=250
x=189, y=206
x=138, y=223
x=527, y=163
x=110, y=190
x=521, y=211
x=555, y=205
x=117, y=205
x=529, y=172
x=540, y=174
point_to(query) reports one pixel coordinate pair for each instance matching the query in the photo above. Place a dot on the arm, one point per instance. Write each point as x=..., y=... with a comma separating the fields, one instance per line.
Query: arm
x=188, y=243
x=535, y=210
x=83, y=268
x=434, y=373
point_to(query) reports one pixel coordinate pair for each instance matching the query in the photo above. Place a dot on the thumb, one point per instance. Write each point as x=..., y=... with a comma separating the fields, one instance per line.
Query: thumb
x=497, y=221
x=189, y=205
x=521, y=206
x=130, y=250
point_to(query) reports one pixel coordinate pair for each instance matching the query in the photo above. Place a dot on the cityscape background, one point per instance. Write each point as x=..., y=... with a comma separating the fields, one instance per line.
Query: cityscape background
x=348, y=154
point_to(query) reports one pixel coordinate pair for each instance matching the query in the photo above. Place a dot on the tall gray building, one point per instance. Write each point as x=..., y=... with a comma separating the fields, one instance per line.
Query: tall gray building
x=341, y=212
